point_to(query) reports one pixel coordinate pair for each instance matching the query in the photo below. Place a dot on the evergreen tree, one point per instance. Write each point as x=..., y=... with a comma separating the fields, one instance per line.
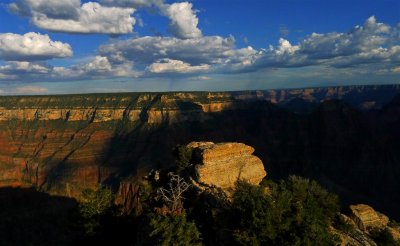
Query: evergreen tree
x=171, y=230
x=293, y=212
x=94, y=204
x=168, y=225
x=183, y=157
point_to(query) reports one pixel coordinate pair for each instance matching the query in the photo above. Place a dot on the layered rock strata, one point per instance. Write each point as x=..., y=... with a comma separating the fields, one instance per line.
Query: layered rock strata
x=222, y=164
x=366, y=217
x=364, y=221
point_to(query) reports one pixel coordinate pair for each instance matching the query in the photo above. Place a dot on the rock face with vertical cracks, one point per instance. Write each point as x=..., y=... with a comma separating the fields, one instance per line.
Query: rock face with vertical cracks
x=222, y=164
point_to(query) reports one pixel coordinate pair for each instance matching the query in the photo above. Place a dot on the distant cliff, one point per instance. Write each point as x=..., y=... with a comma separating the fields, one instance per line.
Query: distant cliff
x=176, y=106
x=64, y=143
x=147, y=107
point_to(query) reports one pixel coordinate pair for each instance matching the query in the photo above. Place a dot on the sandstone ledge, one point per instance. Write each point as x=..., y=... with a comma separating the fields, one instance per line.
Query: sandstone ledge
x=366, y=217
x=222, y=164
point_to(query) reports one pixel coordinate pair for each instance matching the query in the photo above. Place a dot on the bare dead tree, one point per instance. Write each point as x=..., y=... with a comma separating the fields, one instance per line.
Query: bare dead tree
x=173, y=195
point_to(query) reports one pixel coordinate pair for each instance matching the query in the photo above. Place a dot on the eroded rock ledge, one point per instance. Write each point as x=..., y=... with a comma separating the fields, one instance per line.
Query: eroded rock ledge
x=366, y=217
x=222, y=164
x=365, y=220
x=152, y=115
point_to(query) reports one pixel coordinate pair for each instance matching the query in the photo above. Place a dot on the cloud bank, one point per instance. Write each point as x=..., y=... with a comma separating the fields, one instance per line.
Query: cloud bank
x=71, y=17
x=183, y=19
x=184, y=51
x=369, y=44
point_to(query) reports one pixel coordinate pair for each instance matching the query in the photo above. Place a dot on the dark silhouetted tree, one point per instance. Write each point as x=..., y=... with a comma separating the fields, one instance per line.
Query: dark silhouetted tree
x=294, y=212
x=94, y=204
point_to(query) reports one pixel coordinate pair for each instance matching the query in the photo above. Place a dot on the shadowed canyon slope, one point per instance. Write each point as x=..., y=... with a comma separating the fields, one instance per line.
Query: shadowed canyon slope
x=62, y=144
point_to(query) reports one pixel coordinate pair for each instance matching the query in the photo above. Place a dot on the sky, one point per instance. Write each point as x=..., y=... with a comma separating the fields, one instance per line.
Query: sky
x=76, y=46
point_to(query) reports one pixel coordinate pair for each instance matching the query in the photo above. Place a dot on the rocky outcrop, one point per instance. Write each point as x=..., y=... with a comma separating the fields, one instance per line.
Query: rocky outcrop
x=367, y=221
x=128, y=197
x=355, y=238
x=366, y=217
x=222, y=164
x=395, y=231
x=362, y=227
x=216, y=107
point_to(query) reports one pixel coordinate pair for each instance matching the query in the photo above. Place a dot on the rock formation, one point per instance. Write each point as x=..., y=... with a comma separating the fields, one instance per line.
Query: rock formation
x=366, y=217
x=363, y=222
x=222, y=164
x=128, y=198
x=355, y=238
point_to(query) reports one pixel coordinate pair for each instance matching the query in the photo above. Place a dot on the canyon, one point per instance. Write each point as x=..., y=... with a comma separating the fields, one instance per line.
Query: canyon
x=345, y=137
x=175, y=107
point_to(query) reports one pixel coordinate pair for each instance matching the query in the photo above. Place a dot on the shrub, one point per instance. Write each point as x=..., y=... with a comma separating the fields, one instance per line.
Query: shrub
x=383, y=237
x=183, y=158
x=293, y=212
x=172, y=230
x=95, y=203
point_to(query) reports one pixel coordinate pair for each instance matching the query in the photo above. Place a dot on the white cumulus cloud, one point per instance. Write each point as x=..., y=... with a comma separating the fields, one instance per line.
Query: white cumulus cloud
x=359, y=39
x=56, y=9
x=147, y=50
x=161, y=54
x=96, y=67
x=31, y=46
x=175, y=66
x=100, y=64
x=372, y=42
x=285, y=47
x=183, y=20
x=72, y=17
x=372, y=46
x=25, y=67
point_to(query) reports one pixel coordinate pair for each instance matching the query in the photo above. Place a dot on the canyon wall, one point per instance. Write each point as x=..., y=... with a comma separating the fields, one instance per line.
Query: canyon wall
x=150, y=110
x=62, y=144
x=176, y=106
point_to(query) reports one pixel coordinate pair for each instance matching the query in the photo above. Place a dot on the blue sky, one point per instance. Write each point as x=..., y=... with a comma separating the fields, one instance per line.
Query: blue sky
x=73, y=46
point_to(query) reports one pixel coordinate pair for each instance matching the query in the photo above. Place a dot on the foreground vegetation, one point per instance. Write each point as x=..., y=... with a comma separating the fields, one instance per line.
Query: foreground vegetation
x=172, y=211
x=295, y=211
